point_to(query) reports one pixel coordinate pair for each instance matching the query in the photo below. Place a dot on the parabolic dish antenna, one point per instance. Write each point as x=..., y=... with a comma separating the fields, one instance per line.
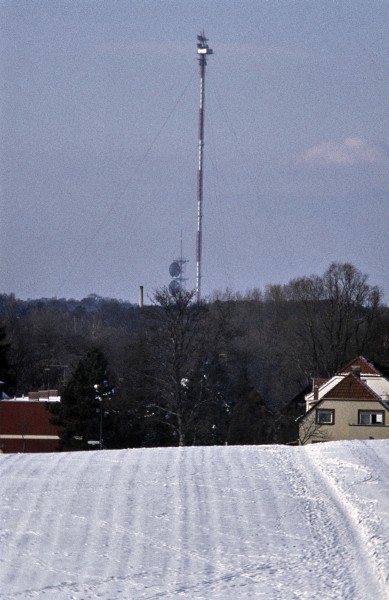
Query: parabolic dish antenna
x=174, y=286
x=175, y=269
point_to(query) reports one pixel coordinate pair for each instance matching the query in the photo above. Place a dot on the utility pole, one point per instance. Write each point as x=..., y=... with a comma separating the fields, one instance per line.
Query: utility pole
x=202, y=50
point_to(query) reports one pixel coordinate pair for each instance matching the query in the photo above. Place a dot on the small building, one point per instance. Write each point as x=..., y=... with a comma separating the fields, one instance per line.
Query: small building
x=25, y=423
x=353, y=404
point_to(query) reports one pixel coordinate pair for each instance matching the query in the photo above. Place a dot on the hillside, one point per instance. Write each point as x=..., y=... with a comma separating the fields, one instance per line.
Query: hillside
x=260, y=522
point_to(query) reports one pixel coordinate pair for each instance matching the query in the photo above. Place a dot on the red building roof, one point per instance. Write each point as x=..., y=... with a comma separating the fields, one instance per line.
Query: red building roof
x=365, y=367
x=351, y=388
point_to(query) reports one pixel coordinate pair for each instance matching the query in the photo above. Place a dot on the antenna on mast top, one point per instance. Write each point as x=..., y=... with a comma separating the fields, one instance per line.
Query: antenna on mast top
x=202, y=47
x=202, y=50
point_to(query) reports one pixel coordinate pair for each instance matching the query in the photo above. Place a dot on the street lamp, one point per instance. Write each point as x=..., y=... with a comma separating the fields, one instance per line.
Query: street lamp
x=100, y=399
x=103, y=391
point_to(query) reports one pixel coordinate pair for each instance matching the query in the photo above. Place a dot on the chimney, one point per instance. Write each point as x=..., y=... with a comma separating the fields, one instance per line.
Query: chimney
x=141, y=296
x=315, y=391
x=356, y=370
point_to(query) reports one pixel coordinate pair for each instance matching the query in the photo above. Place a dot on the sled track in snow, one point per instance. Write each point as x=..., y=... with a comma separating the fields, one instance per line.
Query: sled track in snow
x=271, y=523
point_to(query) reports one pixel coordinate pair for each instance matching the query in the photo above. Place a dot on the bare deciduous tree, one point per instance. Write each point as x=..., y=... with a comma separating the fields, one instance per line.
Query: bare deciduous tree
x=174, y=341
x=309, y=429
x=334, y=316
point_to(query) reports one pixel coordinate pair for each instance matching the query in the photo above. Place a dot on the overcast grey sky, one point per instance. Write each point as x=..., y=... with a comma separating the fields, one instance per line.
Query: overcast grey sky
x=99, y=117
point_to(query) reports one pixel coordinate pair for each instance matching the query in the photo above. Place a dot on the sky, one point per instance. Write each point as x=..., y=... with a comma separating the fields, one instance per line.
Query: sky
x=211, y=523
x=99, y=126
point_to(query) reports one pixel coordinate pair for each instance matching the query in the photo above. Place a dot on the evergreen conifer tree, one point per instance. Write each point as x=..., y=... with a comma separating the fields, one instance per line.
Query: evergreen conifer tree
x=6, y=372
x=87, y=393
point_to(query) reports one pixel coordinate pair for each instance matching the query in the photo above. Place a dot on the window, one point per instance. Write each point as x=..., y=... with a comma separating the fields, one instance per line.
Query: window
x=370, y=417
x=325, y=416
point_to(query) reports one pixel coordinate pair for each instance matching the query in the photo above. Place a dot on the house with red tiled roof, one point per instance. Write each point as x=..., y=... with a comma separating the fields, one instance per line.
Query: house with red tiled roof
x=25, y=423
x=353, y=404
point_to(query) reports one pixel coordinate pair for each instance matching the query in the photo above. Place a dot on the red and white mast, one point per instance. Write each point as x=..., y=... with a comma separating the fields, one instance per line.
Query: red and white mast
x=202, y=50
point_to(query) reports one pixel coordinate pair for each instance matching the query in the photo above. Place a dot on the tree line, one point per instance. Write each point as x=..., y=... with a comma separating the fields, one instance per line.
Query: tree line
x=178, y=372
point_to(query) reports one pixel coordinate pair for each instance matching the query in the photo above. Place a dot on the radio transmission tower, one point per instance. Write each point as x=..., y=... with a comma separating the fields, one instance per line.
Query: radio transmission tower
x=202, y=50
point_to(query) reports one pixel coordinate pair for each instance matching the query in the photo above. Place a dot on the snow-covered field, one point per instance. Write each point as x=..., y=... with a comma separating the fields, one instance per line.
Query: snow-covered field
x=261, y=522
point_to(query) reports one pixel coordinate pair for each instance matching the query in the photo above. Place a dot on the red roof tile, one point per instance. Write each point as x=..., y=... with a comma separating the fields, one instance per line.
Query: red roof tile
x=351, y=388
x=361, y=362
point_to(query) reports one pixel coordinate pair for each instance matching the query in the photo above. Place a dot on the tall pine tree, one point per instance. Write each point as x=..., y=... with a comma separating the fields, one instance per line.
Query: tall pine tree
x=87, y=393
x=6, y=372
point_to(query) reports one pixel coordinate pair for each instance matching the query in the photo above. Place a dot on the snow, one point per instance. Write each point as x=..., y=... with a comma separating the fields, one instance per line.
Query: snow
x=259, y=522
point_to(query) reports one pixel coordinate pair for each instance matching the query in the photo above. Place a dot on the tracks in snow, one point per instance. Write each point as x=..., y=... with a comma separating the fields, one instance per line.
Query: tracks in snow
x=269, y=523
